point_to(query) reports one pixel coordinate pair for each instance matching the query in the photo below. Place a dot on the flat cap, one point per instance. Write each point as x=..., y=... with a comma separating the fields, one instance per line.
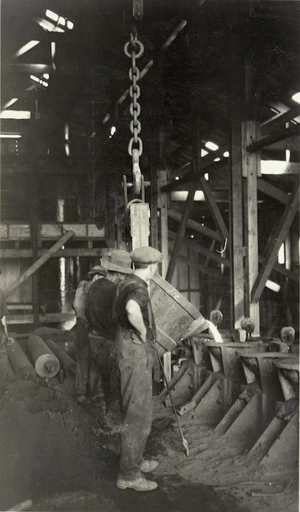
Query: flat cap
x=146, y=255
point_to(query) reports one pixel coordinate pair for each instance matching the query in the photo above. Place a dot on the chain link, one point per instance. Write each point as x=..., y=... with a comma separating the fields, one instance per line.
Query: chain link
x=134, y=49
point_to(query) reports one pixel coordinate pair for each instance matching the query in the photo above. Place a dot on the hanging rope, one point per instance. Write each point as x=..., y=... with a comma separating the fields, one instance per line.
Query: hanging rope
x=224, y=248
x=134, y=49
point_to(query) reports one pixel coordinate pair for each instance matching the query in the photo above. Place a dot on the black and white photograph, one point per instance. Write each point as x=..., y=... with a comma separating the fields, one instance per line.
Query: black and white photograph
x=149, y=255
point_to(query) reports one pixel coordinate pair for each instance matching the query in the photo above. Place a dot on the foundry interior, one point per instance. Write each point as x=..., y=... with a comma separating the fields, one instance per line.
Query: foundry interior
x=172, y=124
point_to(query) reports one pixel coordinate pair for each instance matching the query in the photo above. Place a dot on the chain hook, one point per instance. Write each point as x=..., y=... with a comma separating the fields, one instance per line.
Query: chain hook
x=135, y=146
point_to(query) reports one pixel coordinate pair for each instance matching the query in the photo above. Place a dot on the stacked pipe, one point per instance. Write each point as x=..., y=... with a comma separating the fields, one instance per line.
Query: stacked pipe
x=45, y=362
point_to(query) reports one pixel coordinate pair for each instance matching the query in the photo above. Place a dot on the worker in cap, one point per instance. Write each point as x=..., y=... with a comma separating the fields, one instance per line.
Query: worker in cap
x=103, y=327
x=86, y=372
x=133, y=368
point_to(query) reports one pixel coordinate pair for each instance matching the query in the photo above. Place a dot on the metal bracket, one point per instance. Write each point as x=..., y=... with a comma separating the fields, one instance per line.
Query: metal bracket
x=137, y=9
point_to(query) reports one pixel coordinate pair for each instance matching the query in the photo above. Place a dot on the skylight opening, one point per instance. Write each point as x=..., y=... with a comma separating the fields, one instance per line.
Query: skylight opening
x=46, y=76
x=10, y=103
x=176, y=178
x=15, y=114
x=281, y=255
x=226, y=154
x=204, y=152
x=48, y=26
x=59, y=20
x=275, y=287
x=52, y=15
x=296, y=97
x=217, y=159
x=67, y=140
x=181, y=195
x=113, y=130
x=206, y=176
x=211, y=145
x=275, y=167
x=39, y=80
x=10, y=135
x=28, y=46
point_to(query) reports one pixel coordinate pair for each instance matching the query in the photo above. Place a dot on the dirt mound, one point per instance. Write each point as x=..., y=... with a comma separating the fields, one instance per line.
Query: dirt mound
x=48, y=443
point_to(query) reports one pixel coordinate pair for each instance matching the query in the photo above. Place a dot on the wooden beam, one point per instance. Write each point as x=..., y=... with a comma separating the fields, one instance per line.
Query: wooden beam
x=274, y=137
x=49, y=231
x=62, y=253
x=181, y=229
x=214, y=209
x=280, y=119
x=47, y=318
x=203, y=251
x=272, y=191
x=163, y=206
x=37, y=264
x=275, y=243
x=196, y=226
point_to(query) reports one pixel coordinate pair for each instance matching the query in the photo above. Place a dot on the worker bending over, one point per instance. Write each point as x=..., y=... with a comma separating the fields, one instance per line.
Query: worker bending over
x=134, y=364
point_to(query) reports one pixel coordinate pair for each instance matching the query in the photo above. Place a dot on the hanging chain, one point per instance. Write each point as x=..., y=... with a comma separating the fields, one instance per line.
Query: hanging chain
x=135, y=146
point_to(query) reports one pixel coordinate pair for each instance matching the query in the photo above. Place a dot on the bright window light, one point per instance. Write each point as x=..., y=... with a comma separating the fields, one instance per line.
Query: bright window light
x=53, y=49
x=15, y=114
x=176, y=178
x=67, y=149
x=10, y=136
x=113, y=130
x=296, y=97
x=52, y=15
x=39, y=81
x=217, y=159
x=204, y=152
x=211, y=145
x=206, y=176
x=281, y=255
x=46, y=76
x=275, y=167
x=275, y=287
x=181, y=195
x=10, y=103
x=49, y=27
x=60, y=20
x=226, y=154
x=27, y=47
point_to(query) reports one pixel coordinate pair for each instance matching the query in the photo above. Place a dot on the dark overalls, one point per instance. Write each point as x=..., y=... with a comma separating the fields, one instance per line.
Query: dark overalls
x=134, y=365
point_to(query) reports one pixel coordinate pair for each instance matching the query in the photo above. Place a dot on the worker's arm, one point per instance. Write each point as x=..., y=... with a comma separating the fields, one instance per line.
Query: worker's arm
x=135, y=318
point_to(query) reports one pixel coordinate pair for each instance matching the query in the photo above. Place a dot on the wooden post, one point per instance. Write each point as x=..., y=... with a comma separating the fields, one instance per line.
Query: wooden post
x=236, y=198
x=34, y=212
x=153, y=210
x=181, y=229
x=163, y=208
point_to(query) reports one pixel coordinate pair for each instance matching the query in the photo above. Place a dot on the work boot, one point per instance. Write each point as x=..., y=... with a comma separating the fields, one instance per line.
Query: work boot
x=139, y=484
x=148, y=466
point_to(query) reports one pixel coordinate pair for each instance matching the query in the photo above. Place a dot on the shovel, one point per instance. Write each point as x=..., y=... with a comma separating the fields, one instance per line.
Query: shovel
x=184, y=441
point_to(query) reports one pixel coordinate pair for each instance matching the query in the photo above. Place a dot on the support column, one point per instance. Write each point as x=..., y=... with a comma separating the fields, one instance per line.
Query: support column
x=245, y=167
x=34, y=212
